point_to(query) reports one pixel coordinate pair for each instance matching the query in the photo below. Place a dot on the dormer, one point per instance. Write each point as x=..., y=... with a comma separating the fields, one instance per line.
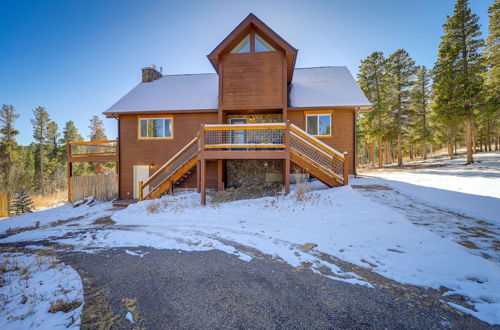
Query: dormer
x=254, y=65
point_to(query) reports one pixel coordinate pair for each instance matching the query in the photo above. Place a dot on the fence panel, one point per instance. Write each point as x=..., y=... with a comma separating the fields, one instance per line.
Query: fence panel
x=102, y=187
x=4, y=204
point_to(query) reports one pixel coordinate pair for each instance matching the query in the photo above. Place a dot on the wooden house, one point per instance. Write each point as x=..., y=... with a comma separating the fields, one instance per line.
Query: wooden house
x=251, y=122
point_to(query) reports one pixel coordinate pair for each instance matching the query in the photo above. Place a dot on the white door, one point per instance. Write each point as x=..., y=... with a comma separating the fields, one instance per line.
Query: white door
x=141, y=173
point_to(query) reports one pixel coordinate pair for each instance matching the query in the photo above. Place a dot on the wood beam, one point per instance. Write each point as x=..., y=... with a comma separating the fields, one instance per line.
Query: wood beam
x=108, y=158
x=203, y=182
x=211, y=154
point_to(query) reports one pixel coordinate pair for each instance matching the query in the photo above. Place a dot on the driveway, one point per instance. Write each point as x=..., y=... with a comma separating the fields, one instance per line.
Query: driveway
x=177, y=289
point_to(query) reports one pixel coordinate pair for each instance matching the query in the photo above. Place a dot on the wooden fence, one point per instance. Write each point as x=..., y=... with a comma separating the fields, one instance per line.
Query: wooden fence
x=102, y=187
x=4, y=204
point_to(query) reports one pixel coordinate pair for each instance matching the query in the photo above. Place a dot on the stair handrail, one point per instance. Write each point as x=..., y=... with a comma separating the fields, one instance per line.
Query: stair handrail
x=317, y=142
x=168, y=162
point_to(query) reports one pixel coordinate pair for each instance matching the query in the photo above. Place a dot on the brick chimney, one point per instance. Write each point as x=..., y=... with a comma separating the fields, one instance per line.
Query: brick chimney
x=150, y=74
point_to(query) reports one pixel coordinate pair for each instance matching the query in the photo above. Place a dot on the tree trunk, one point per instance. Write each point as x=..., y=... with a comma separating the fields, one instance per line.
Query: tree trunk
x=371, y=147
x=379, y=151
x=450, y=149
x=474, y=150
x=488, y=135
x=468, y=141
x=424, y=151
x=400, y=152
x=411, y=152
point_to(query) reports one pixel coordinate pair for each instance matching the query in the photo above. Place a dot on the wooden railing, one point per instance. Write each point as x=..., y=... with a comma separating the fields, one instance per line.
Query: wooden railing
x=164, y=177
x=319, y=154
x=248, y=136
x=92, y=150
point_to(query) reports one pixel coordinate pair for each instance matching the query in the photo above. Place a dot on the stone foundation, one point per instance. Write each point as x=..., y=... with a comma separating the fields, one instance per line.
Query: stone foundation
x=245, y=173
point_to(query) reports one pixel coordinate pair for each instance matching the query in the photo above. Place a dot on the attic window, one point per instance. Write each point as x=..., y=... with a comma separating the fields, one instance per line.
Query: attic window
x=261, y=45
x=243, y=46
x=253, y=43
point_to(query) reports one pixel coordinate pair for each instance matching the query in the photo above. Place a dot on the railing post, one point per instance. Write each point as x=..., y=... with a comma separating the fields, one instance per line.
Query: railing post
x=70, y=172
x=139, y=192
x=346, y=168
x=286, y=175
x=203, y=179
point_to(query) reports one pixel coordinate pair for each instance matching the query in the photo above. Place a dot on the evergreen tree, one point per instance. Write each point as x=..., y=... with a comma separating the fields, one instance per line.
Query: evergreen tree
x=22, y=203
x=8, y=144
x=372, y=79
x=40, y=124
x=70, y=134
x=401, y=71
x=420, y=97
x=97, y=129
x=458, y=69
x=490, y=114
x=97, y=134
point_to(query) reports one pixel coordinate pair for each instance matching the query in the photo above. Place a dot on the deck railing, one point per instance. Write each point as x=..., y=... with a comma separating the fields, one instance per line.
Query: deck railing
x=244, y=137
x=92, y=148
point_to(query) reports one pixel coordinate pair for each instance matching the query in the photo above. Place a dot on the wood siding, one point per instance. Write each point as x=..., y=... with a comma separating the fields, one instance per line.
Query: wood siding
x=342, y=138
x=156, y=152
x=252, y=81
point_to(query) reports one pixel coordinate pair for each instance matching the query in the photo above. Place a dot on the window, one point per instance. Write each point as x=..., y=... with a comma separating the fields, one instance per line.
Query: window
x=243, y=46
x=155, y=128
x=261, y=45
x=255, y=41
x=319, y=124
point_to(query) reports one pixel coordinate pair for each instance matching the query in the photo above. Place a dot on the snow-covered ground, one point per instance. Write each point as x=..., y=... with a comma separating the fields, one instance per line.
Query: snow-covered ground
x=32, y=286
x=473, y=190
x=301, y=229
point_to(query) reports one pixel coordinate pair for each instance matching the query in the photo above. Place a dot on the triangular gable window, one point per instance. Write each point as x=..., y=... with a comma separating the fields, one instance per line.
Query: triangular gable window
x=261, y=45
x=243, y=46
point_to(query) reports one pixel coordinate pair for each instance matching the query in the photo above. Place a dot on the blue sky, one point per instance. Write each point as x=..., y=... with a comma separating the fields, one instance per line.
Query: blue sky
x=77, y=58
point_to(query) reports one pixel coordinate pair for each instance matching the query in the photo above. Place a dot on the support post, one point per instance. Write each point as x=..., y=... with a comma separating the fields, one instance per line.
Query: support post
x=220, y=182
x=139, y=192
x=171, y=188
x=203, y=182
x=346, y=168
x=198, y=169
x=69, y=172
x=287, y=158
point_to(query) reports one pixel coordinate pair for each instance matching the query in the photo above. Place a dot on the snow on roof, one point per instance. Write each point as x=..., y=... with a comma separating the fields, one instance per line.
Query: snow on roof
x=325, y=86
x=311, y=87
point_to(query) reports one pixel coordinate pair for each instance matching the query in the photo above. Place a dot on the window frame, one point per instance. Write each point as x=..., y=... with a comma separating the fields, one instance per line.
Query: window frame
x=318, y=114
x=253, y=36
x=153, y=117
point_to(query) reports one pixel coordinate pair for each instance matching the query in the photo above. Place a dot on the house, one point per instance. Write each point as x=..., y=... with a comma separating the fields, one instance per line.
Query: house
x=252, y=121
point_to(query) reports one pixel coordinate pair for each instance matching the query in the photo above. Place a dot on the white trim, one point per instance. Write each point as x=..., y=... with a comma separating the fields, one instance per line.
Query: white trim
x=318, y=125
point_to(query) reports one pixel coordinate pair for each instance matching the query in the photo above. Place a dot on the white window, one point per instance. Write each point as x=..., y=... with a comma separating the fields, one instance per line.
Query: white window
x=155, y=128
x=243, y=46
x=261, y=45
x=319, y=124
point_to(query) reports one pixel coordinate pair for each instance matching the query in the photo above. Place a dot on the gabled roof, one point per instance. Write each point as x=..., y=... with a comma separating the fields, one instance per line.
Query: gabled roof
x=249, y=23
x=311, y=87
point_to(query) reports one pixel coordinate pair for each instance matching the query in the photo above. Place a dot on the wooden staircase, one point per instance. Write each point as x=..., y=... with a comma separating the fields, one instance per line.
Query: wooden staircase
x=287, y=142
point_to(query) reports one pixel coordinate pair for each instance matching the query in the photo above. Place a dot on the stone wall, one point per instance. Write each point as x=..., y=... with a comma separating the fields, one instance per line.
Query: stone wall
x=244, y=173
x=259, y=118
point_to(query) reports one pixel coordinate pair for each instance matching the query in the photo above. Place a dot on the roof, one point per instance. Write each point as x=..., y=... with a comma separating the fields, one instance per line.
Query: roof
x=311, y=87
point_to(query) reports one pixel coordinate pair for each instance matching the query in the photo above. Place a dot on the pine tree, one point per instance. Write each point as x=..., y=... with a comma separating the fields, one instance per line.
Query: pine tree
x=459, y=67
x=8, y=144
x=373, y=81
x=490, y=116
x=22, y=203
x=401, y=71
x=420, y=97
x=40, y=124
x=70, y=134
x=97, y=129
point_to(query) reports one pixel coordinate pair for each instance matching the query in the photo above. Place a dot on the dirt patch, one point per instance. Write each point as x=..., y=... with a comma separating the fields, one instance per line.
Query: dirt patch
x=15, y=231
x=251, y=192
x=371, y=187
x=104, y=221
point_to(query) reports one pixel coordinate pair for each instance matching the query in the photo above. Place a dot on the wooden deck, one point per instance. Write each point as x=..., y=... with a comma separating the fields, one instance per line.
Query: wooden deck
x=124, y=202
x=249, y=141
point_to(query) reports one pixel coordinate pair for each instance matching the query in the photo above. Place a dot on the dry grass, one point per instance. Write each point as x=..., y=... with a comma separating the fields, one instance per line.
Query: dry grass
x=62, y=305
x=154, y=206
x=41, y=202
x=302, y=187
